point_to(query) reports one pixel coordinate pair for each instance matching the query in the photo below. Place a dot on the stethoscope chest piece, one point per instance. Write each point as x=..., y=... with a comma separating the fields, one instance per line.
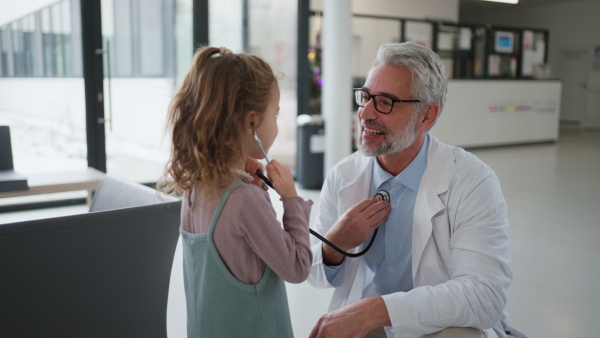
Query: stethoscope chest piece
x=385, y=196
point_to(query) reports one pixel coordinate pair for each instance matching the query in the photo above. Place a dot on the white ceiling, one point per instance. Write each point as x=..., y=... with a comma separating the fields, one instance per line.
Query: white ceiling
x=471, y=3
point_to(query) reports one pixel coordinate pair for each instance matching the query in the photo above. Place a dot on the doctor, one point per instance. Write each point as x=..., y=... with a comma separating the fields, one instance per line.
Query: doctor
x=439, y=266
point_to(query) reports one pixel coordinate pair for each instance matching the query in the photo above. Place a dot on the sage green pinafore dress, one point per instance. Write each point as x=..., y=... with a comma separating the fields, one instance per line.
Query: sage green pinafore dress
x=218, y=304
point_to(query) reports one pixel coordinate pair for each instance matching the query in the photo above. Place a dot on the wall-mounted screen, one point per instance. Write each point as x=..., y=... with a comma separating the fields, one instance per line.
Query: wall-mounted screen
x=504, y=42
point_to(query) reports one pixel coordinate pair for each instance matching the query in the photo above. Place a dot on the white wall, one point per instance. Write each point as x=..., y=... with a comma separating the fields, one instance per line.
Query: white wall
x=369, y=34
x=574, y=28
x=499, y=112
x=418, y=9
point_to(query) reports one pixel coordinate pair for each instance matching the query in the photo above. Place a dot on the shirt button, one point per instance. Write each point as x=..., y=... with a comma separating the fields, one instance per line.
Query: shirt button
x=393, y=206
x=392, y=269
x=390, y=238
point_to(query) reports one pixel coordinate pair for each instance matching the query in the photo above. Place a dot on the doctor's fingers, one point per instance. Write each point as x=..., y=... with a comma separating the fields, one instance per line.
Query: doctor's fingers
x=364, y=204
x=333, y=324
x=378, y=213
x=364, y=210
x=375, y=213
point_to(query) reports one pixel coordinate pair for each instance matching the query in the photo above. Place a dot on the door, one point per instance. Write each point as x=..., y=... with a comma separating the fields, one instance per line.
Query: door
x=592, y=119
x=574, y=68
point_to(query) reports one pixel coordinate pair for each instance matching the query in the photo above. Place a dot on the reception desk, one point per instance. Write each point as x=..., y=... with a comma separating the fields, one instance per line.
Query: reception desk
x=481, y=113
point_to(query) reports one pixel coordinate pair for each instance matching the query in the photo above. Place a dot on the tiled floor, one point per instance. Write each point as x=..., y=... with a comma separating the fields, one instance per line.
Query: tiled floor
x=553, y=195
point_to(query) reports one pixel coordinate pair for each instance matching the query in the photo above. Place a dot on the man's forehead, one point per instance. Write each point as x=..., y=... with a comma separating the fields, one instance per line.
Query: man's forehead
x=388, y=79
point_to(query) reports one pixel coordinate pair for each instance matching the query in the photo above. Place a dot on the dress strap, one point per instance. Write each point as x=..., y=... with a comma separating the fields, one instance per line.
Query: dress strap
x=220, y=207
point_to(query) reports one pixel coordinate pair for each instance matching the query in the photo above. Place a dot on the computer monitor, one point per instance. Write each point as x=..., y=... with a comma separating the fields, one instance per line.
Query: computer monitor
x=504, y=42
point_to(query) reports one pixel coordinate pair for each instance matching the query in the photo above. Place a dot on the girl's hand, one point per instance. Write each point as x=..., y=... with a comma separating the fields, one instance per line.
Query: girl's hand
x=253, y=165
x=282, y=179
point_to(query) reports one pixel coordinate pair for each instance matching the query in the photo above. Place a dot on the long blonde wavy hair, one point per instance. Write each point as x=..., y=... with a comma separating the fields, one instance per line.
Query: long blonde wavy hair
x=207, y=117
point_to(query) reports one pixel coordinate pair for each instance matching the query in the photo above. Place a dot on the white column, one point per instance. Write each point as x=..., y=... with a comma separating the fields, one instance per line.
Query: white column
x=336, y=105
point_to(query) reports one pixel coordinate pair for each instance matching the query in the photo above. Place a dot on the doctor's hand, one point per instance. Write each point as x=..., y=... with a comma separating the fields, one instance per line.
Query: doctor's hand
x=353, y=321
x=354, y=227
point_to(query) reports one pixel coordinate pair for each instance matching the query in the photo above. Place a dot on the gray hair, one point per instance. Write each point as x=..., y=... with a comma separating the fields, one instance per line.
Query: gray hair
x=430, y=81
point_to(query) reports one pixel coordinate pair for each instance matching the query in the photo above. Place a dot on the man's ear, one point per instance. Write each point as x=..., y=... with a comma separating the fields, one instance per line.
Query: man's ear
x=430, y=115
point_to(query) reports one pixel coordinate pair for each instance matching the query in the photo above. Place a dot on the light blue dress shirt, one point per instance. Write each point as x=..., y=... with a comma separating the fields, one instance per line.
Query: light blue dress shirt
x=389, y=261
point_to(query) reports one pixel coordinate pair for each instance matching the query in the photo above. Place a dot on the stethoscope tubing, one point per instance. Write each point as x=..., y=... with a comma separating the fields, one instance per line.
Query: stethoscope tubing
x=384, y=195
x=264, y=178
x=347, y=254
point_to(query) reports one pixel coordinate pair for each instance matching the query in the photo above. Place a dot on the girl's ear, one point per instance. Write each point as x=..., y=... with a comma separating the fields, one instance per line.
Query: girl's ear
x=249, y=122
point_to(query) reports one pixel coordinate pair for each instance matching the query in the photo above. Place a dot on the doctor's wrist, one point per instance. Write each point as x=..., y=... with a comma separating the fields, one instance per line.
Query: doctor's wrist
x=330, y=256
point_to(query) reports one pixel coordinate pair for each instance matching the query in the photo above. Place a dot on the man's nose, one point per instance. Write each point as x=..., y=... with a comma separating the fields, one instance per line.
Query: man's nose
x=368, y=111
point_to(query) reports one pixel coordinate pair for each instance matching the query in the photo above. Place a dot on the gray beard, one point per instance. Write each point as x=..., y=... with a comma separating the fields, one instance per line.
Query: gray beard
x=393, y=142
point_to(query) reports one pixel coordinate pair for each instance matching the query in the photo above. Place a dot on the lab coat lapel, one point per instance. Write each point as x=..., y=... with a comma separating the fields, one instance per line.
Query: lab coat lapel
x=358, y=174
x=435, y=181
x=359, y=178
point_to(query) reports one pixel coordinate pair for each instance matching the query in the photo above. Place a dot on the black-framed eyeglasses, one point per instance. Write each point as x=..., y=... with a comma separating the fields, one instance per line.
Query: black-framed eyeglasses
x=383, y=104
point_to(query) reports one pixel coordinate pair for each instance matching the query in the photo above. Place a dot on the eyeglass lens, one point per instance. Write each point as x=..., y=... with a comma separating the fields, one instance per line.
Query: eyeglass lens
x=382, y=104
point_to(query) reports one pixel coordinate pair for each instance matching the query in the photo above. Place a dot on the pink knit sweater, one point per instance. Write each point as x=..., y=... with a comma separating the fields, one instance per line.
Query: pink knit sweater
x=249, y=237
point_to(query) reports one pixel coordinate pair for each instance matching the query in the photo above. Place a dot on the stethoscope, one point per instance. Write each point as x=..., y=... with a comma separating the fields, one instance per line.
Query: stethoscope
x=385, y=196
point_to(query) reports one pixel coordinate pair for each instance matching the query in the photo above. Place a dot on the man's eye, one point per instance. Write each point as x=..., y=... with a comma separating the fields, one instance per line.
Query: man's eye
x=385, y=103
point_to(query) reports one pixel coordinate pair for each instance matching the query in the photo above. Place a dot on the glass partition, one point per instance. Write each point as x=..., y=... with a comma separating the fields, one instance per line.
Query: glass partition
x=41, y=89
x=419, y=32
x=141, y=54
x=272, y=31
x=367, y=35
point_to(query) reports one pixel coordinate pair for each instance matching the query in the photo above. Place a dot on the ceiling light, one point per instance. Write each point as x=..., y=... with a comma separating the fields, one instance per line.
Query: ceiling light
x=505, y=1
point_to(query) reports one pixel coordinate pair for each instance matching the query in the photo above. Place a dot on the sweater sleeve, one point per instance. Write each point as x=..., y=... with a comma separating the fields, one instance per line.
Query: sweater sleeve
x=285, y=249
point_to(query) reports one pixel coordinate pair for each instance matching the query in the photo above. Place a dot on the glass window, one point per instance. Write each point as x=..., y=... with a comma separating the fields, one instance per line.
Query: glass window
x=44, y=110
x=123, y=36
x=152, y=38
x=139, y=82
x=2, y=54
x=272, y=35
x=225, y=24
x=57, y=30
x=184, y=40
x=48, y=43
x=18, y=42
x=28, y=28
x=419, y=32
x=368, y=35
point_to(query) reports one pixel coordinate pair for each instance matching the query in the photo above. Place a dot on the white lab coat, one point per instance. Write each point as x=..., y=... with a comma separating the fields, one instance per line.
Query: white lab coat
x=460, y=244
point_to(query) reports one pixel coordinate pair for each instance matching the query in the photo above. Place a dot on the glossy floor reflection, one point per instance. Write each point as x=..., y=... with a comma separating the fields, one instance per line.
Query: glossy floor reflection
x=553, y=195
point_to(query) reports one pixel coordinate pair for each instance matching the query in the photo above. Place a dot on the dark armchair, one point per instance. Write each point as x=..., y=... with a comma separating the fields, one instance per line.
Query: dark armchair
x=100, y=274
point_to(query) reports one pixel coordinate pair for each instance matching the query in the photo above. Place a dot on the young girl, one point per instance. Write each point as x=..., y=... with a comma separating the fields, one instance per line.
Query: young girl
x=236, y=254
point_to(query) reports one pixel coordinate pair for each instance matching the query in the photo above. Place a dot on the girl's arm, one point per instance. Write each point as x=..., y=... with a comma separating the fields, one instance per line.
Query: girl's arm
x=286, y=250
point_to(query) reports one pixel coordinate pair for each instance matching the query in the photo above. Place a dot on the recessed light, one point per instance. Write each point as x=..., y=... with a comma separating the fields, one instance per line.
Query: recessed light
x=505, y=1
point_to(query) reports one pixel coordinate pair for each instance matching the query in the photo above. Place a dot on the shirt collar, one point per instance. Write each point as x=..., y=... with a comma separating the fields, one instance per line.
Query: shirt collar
x=410, y=176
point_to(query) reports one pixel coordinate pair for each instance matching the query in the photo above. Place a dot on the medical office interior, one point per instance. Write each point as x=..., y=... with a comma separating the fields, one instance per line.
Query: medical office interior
x=524, y=96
